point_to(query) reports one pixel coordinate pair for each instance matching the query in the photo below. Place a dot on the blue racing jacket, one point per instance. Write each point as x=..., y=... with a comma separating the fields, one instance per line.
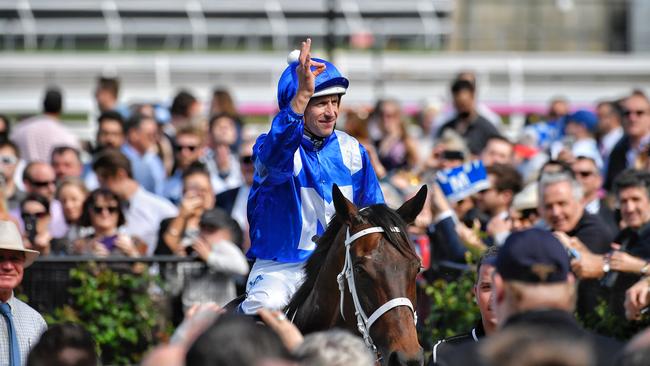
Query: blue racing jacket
x=291, y=197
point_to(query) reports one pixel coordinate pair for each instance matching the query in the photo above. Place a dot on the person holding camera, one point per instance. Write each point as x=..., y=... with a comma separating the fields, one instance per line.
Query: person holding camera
x=215, y=246
x=177, y=234
x=35, y=213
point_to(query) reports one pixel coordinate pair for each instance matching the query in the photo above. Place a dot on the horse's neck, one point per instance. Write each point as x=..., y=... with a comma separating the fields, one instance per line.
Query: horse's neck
x=320, y=310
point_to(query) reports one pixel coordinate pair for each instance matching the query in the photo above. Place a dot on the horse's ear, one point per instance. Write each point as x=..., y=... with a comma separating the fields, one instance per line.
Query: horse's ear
x=345, y=209
x=411, y=208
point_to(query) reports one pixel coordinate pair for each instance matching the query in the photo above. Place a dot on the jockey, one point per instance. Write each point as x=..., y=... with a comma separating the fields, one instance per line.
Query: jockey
x=296, y=164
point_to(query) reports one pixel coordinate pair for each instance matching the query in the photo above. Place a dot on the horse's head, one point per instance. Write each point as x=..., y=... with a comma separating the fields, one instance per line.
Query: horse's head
x=380, y=269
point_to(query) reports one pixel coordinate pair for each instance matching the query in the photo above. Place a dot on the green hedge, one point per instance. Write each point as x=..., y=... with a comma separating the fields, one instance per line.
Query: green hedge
x=119, y=308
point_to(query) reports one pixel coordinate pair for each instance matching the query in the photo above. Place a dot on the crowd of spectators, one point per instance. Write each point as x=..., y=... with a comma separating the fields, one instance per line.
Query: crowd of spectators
x=176, y=182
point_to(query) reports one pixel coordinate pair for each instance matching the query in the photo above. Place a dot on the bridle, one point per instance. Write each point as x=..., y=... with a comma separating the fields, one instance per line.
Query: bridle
x=364, y=322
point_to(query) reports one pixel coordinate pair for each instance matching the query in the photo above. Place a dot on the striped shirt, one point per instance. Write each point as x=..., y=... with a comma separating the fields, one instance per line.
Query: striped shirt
x=29, y=326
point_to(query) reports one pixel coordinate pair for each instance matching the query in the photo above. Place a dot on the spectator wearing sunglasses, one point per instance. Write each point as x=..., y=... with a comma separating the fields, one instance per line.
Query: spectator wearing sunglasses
x=9, y=158
x=39, y=178
x=187, y=150
x=102, y=212
x=145, y=210
x=35, y=215
x=636, y=124
x=587, y=173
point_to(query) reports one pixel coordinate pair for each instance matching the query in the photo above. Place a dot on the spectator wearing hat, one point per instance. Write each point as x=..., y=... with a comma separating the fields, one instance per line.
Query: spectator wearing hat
x=631, y=256
x=579, y=139
x=534, y=288
x=587, y=173
x=636, y=123
x=524, y=212
x=22, y=325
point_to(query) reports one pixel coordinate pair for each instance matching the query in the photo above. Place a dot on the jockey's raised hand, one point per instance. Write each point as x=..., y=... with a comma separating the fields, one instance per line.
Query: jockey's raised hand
x=306, y=78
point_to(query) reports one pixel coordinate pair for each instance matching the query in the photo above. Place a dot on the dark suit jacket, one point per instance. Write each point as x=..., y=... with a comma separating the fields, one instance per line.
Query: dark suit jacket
x=226, y=199
x=617, y=161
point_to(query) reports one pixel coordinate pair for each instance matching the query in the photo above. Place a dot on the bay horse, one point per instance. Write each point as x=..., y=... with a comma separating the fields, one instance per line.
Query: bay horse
x=361, y=277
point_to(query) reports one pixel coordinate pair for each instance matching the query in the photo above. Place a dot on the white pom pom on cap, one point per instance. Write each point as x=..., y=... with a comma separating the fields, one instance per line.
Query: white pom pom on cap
x=293, y=56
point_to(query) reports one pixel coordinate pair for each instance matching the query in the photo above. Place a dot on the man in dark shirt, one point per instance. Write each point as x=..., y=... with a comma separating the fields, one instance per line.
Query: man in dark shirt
x=468, y=123
x=562, y=208
x=629, y=261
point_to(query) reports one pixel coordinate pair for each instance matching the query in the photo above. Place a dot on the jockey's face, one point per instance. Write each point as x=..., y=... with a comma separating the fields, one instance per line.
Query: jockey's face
x=321, y=114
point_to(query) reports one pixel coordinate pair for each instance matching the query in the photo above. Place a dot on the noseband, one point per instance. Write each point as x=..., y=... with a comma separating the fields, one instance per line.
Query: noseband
x=364, y=322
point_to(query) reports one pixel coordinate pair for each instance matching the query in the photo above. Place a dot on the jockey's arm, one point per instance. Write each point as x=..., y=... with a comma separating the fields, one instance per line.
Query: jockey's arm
x=274, y=152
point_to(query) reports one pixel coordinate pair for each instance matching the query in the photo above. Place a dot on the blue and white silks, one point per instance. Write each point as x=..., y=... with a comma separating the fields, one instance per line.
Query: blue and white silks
x=291, y=197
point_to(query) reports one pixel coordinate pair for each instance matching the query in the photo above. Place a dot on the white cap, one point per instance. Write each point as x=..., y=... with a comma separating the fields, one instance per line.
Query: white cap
x=10, y=239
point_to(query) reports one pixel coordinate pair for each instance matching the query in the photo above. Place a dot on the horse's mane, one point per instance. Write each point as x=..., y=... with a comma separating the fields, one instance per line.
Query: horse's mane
x=376, y=215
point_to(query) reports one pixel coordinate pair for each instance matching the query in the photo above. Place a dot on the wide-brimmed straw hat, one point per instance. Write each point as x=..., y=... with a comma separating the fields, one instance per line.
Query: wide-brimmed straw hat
x=10, y=239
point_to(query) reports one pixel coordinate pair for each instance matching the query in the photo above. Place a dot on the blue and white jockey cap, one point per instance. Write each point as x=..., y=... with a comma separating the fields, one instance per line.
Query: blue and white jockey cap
x=329, y=82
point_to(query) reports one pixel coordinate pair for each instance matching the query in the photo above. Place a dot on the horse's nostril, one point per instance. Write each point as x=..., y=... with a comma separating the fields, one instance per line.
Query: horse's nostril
x=401, y=359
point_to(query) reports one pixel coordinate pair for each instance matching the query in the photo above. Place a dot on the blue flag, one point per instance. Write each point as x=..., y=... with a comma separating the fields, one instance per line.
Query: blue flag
x=463, y=181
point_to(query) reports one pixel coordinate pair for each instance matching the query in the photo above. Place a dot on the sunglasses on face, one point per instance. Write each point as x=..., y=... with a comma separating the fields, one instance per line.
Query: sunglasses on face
x=42, y=184
x=33, y=215
x=583, y=174
x=246, y=159
x=191, y=148
x=8, y=160
x=99, y=209
x=637, y=113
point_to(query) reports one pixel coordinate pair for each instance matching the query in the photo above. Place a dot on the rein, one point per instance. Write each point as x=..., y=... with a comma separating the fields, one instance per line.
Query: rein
x=363, y=321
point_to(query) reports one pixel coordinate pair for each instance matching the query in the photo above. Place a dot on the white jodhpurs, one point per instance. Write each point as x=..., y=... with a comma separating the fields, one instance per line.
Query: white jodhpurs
x=271, y=284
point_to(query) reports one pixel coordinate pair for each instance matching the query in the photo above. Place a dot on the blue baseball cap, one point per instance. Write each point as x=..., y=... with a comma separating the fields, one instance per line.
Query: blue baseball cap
x=585, y=118
x=328, y=82
x=533, y=256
